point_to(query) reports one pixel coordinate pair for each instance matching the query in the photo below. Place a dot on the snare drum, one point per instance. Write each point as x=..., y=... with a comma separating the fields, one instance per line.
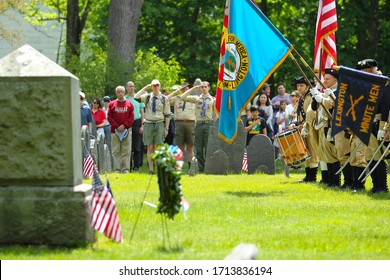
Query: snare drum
x=292, y=147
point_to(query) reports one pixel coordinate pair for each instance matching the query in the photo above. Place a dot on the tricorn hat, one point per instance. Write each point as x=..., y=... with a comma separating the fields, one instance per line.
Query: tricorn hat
x=366, y=63
x=301, y=80
x=332, y=72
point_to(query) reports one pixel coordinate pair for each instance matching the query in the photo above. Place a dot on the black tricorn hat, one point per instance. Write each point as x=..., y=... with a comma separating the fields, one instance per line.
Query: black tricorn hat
x=301, y=80
x=366, y=63
x=332, y=72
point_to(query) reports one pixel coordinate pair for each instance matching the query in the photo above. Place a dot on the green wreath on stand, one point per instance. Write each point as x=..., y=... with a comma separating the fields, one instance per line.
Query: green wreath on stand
x=168, y=172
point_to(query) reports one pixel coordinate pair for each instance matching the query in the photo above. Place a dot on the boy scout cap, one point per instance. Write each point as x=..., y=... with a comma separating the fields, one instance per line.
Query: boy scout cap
x=155, y=82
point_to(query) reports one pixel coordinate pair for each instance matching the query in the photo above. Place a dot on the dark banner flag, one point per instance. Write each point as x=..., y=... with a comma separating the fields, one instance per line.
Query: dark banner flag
x=358, y=95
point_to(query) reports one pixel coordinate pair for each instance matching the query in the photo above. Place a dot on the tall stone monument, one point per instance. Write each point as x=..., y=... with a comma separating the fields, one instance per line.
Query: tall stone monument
x=42, y=198
x=234, y=152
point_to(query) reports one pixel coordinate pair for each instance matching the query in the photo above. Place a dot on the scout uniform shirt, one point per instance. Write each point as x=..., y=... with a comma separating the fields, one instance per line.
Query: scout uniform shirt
x=204, y=106
x=162, y=108
x=184, y=111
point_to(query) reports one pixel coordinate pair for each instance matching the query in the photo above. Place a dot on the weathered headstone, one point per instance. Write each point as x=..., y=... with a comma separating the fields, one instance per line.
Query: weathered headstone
x=107, y=159
x=223, y=163
x=42, y=198
x=261, y=155
x=234, y=151
x=101, y=154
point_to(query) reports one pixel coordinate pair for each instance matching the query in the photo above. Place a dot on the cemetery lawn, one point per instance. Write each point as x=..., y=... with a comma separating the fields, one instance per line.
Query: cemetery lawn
x=284, y=219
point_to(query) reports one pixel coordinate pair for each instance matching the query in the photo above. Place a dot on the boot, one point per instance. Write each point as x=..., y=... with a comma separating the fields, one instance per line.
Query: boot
x=358, y=185
x=348, y=177
x=312, y=174
x=330, y=175
x=306, y=178
x=325, y=178
x=336, y=179
x=380, y=175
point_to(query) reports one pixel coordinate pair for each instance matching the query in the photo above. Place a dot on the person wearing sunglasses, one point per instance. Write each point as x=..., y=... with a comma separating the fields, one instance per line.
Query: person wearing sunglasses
x=99, y=116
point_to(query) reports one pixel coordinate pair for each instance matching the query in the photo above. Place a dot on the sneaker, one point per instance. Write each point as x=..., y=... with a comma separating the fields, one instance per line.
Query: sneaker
x=136, y=170
x=194, y=166
x=125, y=171
x=151, y=172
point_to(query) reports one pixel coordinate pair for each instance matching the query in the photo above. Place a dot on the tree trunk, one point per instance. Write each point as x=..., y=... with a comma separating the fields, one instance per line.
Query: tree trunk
x=74, y=27
x=123, y=20
x=374, y=25
x=73, y=35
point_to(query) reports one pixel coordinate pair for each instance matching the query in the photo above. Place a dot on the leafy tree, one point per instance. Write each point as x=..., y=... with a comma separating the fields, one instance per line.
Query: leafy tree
x=11, y=36
x=189, y=29
x=149, y=66
x=74, y=12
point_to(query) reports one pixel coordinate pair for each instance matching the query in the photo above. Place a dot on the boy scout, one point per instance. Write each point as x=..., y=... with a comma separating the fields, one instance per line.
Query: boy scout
x=204, y=110
x=157, y=113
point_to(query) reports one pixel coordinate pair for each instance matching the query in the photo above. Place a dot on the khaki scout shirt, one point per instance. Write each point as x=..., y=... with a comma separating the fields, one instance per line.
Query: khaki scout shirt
x=198, y=100
x=183, y=110
x=162, y=110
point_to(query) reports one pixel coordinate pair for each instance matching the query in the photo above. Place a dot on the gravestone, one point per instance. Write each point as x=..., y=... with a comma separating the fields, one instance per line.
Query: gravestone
x=234, y=151
x=261, y=155
x=223, y=162
x=42, y=198
x=101, y=154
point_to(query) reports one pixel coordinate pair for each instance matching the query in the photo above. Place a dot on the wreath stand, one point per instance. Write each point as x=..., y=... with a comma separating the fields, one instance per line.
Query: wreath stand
x=170, y=189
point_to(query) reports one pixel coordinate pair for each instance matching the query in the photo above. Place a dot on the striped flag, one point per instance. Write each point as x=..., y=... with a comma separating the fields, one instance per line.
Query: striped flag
x=325, y=55
x=104, y=216
x=88, y=166
x=245, y=162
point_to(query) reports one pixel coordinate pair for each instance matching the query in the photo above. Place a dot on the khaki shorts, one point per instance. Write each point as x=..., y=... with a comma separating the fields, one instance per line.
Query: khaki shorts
x=184, y=133
x=154, y=133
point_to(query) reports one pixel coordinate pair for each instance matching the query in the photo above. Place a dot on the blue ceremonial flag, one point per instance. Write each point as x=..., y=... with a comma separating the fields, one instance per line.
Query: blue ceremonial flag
x=358, y=95
x=253, y=48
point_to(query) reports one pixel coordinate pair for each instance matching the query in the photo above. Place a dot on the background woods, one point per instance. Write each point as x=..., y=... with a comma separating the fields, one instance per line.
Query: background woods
x=109, y=42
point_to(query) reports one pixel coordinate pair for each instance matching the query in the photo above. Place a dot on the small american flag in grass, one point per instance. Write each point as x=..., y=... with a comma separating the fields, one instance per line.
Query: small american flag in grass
x=104, y=216
x=88, y=164
x=245, y=162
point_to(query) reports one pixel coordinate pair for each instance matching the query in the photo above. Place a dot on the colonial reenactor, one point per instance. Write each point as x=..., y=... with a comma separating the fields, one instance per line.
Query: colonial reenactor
x=157, y=118
x=328, y=153
x=379, y=175
x=305, y=121
x=204, y=111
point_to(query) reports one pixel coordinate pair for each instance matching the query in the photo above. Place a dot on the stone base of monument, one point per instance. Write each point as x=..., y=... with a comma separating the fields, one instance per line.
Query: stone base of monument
x=46, y=215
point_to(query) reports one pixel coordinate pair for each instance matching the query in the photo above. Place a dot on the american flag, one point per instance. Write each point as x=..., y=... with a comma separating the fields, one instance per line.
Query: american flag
x=325, y=55
x=245, y=162
x=104, y=216
x=88, y=164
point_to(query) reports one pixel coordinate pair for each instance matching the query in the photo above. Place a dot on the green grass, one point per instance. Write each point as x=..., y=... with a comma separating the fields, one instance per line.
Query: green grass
x=284, y=219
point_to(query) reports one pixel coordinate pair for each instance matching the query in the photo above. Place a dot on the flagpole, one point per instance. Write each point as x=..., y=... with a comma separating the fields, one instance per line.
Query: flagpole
x=140, y=209
x=320, y=70
x=312, y=71
x=308, y=82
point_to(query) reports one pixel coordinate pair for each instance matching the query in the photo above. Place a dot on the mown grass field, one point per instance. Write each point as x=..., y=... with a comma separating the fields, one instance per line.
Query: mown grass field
x=284, y=219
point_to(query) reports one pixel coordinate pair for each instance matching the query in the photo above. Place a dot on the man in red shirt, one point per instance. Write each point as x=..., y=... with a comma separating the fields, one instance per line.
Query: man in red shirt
x=121, y=118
